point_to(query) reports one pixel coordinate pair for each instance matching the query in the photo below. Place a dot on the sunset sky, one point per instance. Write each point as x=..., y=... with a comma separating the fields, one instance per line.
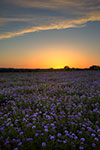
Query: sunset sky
x=49, y=33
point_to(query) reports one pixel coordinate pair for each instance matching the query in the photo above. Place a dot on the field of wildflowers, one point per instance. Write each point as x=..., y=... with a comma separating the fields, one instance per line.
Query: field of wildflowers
x=50, y=110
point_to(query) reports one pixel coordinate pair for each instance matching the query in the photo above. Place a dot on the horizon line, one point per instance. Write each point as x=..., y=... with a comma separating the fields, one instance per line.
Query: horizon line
x=50, y=67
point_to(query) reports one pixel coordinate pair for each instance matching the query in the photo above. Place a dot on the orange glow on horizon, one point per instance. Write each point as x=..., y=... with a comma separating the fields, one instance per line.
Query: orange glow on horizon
x=53, y=57
x=59, y=59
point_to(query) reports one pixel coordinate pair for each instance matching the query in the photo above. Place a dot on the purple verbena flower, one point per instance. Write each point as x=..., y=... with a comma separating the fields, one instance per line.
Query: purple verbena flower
x=82, y=139
x=98, y=130
x=36, y=134
x=93, y=144
x=59, y=134
x=81, y=147
x=46, y=130
x=20, y=143
x=21, y=133
x=52, y=137
x=29, y=139
x=43, y=144
x=75, y=137
x=93, y=134
x=96, y=139
x=15, y=148
x=33, y=127
x=65, y=141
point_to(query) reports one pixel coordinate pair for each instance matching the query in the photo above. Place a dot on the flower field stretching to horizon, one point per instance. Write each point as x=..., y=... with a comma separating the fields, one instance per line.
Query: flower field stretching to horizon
x=58, y=110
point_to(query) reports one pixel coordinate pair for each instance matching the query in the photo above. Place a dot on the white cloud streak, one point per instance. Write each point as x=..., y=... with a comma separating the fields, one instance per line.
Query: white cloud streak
x=61, y=25
x=84, y=11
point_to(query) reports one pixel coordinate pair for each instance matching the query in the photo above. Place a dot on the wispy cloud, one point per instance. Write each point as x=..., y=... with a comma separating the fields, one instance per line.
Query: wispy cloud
x=45, y=4
x=52, y=4
x=61, y=25
x=73, y=13
x=6, y=20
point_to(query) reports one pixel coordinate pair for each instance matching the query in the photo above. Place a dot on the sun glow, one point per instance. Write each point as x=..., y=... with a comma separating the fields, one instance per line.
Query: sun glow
x=56, y=58
x=49, y=57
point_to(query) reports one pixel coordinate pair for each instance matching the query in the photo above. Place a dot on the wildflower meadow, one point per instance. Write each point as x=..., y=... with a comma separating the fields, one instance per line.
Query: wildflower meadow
x=58, y=110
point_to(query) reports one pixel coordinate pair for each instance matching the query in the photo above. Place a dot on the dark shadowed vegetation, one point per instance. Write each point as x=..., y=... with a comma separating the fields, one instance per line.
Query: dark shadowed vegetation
x=66, y=68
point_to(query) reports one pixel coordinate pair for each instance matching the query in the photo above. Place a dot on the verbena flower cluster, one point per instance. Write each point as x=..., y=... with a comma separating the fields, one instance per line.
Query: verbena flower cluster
x=57, y=110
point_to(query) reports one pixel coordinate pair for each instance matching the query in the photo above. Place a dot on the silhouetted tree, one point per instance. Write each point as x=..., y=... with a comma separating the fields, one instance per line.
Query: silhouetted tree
x=94, y=67
x=66, y=68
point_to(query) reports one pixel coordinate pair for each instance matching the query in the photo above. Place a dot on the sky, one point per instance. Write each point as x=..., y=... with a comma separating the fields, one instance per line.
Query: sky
x=49, y=33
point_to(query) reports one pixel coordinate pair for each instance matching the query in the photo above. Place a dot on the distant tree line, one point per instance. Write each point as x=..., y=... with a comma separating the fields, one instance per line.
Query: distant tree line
x=93, y=67
x=66, y=68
